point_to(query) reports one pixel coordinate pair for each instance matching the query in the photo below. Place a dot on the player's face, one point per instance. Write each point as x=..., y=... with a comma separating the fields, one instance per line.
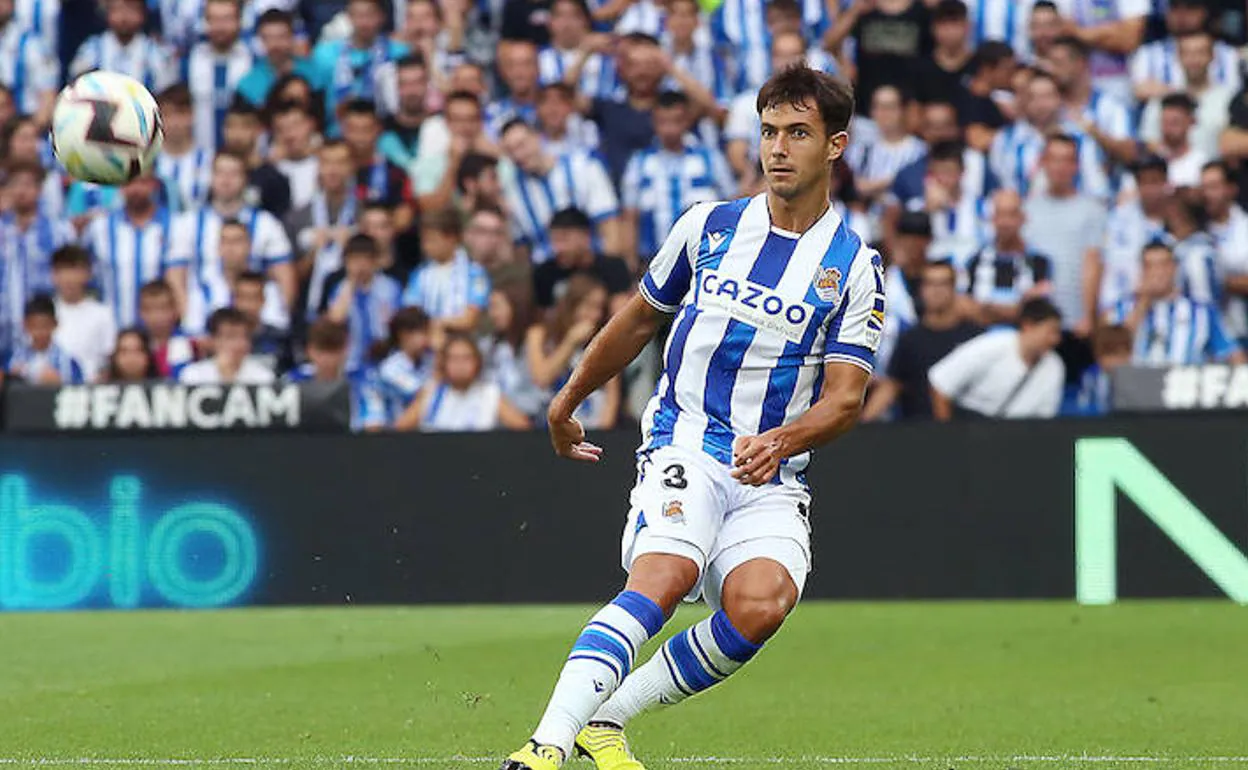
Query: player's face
x=278, y=40
x=1216, y=191
x=335, y=168
x=229, y=179
x=460, y=364
x=249, y=299
x=222, y=24
x=234, y=248
x=125, y=17
x=1152, y=189
x=379, y=226
x=131, y=358
x=796, y=150
x=366, y=19
x=158, y=314
x=413, y=88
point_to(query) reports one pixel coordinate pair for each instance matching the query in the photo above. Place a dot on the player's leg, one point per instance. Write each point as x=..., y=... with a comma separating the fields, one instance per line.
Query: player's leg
x=664, y=548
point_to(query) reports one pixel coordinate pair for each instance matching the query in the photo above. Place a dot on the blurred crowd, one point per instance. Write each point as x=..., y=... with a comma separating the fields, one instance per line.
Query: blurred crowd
x=441, y=201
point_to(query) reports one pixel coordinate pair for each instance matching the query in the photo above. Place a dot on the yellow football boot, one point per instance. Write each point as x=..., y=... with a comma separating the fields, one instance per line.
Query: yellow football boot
x=606, y=746
x=534, y=756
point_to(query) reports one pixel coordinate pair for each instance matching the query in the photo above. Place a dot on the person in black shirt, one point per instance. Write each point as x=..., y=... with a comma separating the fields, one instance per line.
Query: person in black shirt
x=892, y=37
x=266, y=186
x=377, y=179
x=527, y=20
x=943, y=74
x=571, y=239
x=1005, y=273
x=991, y=70
x=940, y=330
x=401, y=137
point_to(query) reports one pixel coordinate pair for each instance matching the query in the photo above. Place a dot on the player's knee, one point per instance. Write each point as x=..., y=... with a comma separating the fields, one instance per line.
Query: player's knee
x=758, y=600
x=664, y=578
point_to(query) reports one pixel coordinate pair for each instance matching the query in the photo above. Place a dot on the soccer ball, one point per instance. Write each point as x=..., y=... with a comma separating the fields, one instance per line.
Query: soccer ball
x=106, y=128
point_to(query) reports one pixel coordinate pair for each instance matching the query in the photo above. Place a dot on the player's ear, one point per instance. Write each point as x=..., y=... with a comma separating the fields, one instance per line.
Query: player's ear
x=836, y=145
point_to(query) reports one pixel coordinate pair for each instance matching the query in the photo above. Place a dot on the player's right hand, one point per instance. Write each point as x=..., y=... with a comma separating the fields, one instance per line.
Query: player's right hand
x=567, y=435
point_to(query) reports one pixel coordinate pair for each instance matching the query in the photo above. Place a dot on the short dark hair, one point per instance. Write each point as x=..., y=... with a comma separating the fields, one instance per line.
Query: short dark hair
x=1179, y=100
x=946, y=151
x=240, y=108
x=157, y=288
x=177, y=96
x=332, y=144
x=462, y=96
x=1045, y=5
x=1150, y=162
x=950, y=10
x=915, y=223
x=409, y=319
x=669, y=99
x=226, y=316
x=1039, y=75
x=378, y=4
x=361, y=245
x=793, y=85
x=580, y=6
x=230, y=155
x=990, y=54
x=71, y=256
x=275, y=16
x=252, y=276
x=1038, y=310
x=413, y=60
x=1221, y=166
x=640, y=38
x=1065, y=139
x=1077, y=47
x=40, y=304
x=471, y=167
x=514, y=123
x=445, y=221
x=325, y=334
x=30, y=167
x=787, y=7
x=377, y=205
x=557, y=87
x=571, y=219
x=942, y=265
x=1156, y=244
x=359, y=107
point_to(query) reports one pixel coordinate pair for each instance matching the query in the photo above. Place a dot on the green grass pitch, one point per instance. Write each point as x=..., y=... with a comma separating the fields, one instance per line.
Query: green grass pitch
x=930, y=685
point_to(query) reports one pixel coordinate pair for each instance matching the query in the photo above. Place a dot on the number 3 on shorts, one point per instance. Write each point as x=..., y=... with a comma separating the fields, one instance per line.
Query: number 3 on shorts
x=674, y=476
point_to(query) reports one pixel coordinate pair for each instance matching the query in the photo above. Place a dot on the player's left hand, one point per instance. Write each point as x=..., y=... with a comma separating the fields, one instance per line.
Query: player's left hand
x=756, y=459
x=567, y=435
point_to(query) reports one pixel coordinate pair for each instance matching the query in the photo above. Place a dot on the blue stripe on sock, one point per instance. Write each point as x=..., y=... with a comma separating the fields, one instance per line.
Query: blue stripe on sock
x=706, y=659
x=623, y=637
x=695, y=675
x=647, y=613
x=619, y=675
x=729, y=639
x=596, y=641
x=671, y=670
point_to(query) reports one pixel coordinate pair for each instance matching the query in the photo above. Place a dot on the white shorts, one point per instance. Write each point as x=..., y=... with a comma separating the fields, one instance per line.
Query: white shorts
x=687, y=504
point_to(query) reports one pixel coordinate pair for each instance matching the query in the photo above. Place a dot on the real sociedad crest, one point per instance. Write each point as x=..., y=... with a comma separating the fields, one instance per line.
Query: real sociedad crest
x=828, y=284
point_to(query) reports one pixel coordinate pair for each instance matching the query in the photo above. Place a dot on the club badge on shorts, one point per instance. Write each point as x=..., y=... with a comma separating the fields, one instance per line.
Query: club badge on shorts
x=673, y=512
x=828, y=284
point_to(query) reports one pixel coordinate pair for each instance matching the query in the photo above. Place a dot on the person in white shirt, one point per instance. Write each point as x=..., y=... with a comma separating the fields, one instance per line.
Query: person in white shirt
x=185, y=169
x=1155, y=67
x=1007, y=373
x=460, y=399
x=85, y=327
x=295, y=144
x=1212, y=102
x=1184, y=161
x=215, y=67
x=28, y=70
x=1228, y=224
x=877, y=162
x=231, y=363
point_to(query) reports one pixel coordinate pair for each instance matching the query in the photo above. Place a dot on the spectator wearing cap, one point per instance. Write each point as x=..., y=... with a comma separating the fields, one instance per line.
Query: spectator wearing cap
x=187, y=169
x=1210, y=101
x=129, y=247
x=1104, y=117
x=349, y=69
x=327, y=351
x=231, y=362
x=1169, y=328
x=85, y=327
x=409, y=129
x=365, y=299
x=979, y=109
x=1006, y=272
x=38, y=359
x=662, y=181
x=1228, y=224
x=1133, y=224
x=537, y=185
x=569, y=29
x=124, y=48
x=1183, y=160
x=563, y=129
x=571, y=241
x=377, y=179
x=1156, y=68
x=518, y=70
x=1091, y=397
x=214, y=68
x=904, y=389
x=275, y=29
x=1005, y=373
x=890, y=38
x=943, y=74
x=267, y=187
x=29, y=71
x=451, y=288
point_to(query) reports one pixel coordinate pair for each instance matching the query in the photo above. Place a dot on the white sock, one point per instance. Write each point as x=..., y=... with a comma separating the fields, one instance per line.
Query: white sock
x=601, y=658
x=690, y=662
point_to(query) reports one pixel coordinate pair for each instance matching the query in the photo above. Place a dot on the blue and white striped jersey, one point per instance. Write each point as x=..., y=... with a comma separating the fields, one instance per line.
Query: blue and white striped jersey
x=42, y=17
x=882, y=159
x=447, y=290
x=26, y=268
x=368, y=406
x=183, y=21
x=27, y=69
x=960, y=230
x=740, y=26
x=661, y=185
x=705, y=64
x=368, y=320
x=1110, y=114
x=1231, y=239
x=1127, y=232
x=1159, y=61
x=499, y=112
x=212, y=78
x=598, y=76
x=646, y=16
x=126, y=257
x=1015, y=159
x=1004, y=20
x=401, y=380
x=31, y=364
x=1177, y=331
x=190, y=175
x=759, y=312
x=1199, y=276
x=143, y=59
x=578, y=179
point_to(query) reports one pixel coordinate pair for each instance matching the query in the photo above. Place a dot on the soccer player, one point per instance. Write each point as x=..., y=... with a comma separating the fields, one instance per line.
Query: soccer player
x=779, y=309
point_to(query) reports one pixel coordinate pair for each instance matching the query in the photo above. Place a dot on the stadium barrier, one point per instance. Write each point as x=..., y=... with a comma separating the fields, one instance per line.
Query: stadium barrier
x=1152, y=506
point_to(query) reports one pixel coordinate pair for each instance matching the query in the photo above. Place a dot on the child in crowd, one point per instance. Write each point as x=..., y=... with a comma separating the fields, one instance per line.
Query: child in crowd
x=365, y=300
x=158, y=313
x=404, y=372
x=1092, y=397
x=131, y=360
x=460, y=398
x=85, y=328
x=449, y=286
x=231, y=362
x=327, y=362
x=39, y=360
x=249, y=292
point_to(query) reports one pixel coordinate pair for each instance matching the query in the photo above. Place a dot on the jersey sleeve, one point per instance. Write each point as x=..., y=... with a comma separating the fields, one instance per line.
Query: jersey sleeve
x=670, y=274
x=856, y=327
